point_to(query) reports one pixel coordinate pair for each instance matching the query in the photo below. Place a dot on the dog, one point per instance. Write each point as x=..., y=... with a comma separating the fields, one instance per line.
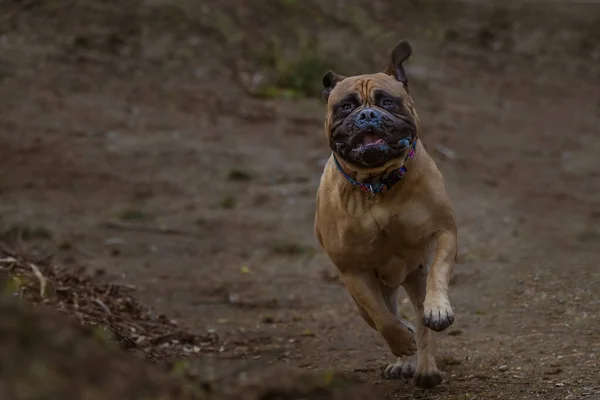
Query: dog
x=383, y=215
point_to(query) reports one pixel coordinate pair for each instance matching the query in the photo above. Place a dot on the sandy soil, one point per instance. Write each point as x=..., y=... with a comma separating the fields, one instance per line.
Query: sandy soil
x=177, y=148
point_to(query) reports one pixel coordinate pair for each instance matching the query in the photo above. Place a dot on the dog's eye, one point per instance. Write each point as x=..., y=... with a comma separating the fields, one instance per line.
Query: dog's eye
x=346, y=107
x=388, y=103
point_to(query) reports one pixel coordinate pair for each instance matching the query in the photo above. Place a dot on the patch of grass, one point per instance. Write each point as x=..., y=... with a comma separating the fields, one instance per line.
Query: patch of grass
x=295, y=75
x=37, y=232
x=292, y=249
x=449, y=361
x=13, y=284
x=589, y=235
x=133, y=214
x=181, y=367
x=26, y=232
x=4, y=72
x=103, y=334
x=227, y=27
x=273, y=92
x=304, y=73
x=308, y=333
x=364, y=23
x=239, y=175
x=227, y=203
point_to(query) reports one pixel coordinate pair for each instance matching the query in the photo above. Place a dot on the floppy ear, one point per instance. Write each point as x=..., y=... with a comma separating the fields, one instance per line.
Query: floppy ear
x=401, y=53
x=330, y=79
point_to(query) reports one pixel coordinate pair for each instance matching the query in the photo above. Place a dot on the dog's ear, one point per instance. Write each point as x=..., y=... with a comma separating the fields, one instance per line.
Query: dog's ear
x=399, y=55
x=330, y=79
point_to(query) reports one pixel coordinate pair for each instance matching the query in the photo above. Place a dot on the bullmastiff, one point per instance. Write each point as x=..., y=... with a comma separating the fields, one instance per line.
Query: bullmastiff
x=383, y=215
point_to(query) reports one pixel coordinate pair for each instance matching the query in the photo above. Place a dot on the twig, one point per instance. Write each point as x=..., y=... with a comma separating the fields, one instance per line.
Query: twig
x=104, y=306
x=126, y=286
x=558, y=357
x=124, y=338
x=41, y=278
x=529, y=336
x=132, y=344
x=181, y=336
x=84, y=252
x=570, y=355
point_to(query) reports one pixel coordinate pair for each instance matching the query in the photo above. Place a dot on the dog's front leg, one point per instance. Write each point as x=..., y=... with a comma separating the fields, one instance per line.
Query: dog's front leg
x=366, y=290
x=438, y=314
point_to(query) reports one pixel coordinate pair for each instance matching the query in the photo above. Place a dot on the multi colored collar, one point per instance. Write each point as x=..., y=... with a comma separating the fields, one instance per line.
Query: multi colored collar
x=385, y=184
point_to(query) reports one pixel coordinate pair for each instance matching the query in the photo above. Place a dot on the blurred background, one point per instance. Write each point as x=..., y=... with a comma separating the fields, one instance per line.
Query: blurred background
x=177, y=145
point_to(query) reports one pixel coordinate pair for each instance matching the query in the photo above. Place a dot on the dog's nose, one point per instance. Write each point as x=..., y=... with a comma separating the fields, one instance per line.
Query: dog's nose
x=368, y=118
x=369, y=115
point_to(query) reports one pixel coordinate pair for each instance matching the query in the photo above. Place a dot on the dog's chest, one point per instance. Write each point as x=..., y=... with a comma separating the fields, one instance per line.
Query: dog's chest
x=394, y=228
x=387, y=240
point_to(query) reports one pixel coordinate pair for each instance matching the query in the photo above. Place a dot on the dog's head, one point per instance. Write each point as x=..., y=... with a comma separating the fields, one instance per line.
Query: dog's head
x=371, y=122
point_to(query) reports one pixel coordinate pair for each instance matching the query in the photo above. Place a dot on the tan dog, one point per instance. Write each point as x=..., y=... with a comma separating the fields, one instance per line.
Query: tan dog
x=383, y=216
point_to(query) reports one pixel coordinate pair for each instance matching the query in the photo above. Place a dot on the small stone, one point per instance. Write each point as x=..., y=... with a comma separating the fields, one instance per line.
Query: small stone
x=455, y=332
x=111, y=135
x=503, y=368
x=114, y=241
x=233, y=298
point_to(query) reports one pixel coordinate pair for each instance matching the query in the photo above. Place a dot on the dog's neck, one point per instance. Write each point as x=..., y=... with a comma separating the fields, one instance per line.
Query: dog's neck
x=377, y=182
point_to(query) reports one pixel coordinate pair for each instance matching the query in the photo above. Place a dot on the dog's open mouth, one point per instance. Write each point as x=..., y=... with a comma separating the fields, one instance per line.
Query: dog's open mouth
x=371, y=149
x=372, y=140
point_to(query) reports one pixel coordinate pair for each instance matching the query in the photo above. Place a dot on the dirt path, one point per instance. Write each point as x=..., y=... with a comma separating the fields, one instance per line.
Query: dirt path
x=128, y=145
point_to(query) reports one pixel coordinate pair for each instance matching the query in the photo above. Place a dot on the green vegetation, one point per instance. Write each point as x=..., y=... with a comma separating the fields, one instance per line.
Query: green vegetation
x=132, y=214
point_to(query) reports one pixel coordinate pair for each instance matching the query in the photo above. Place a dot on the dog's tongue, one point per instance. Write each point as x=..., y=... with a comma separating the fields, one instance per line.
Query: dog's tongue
x=372, y=139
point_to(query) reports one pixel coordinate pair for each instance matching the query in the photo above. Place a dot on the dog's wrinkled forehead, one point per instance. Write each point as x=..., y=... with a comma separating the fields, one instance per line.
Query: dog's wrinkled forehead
x=365, y=86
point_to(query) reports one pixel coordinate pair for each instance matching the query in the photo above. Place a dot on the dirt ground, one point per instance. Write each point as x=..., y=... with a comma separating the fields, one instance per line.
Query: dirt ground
x=177, y=148
x=114, y=347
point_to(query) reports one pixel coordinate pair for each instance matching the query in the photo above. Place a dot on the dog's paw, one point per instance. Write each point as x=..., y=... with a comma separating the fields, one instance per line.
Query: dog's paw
x=403, y=346
x=429, y=379
x=400, y=338
x=402, y=369
x=437, y=315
